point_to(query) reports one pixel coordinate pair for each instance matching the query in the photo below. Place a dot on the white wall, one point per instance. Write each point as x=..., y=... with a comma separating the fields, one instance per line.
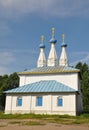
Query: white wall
x=49, y=104
x=70, y=79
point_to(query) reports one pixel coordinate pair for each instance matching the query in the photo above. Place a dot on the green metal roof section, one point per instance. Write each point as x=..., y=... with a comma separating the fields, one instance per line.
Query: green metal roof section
x=49, y=70
x=45, y=86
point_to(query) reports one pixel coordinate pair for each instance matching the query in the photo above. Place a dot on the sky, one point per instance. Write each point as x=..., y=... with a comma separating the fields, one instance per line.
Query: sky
x=22, y=22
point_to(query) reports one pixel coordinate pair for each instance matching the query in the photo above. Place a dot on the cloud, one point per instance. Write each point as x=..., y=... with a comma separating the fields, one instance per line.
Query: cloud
x=81, y=57
x=6, y=59
x=67, y=8
x=60, y=8
x=12, y=60
x=12, y=10
x=4, y=29
x=3, y=70
x=15, y=8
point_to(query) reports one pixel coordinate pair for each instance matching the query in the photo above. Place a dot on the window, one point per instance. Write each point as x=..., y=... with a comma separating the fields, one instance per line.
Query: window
x=60, y=101
x=39, y=101
x=19, y=101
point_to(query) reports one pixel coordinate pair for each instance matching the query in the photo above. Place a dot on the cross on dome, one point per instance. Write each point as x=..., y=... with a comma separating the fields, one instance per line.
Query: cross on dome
x=53, y=31
x=53, y=40
x=42, y=42
x=42, y=38
x=63, y=43
x=63, y=37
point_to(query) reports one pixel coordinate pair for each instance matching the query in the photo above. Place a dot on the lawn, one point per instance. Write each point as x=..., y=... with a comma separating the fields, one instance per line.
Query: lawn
x=59, y=119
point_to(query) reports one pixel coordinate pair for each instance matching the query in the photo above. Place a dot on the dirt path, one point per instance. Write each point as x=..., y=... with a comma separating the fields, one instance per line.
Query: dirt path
x=7, y=125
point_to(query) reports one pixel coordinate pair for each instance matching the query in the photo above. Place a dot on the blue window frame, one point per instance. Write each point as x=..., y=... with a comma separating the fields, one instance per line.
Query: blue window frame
x=60, y=101
x=39, y=101
x=19, y=101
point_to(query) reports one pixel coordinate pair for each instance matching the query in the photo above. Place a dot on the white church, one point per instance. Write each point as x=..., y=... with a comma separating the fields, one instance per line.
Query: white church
x=53, y=87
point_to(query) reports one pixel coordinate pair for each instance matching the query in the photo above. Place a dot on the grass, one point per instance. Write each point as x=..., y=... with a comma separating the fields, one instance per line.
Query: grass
x=15, y=122
x=32, y=116
x=59, y=119
x=3, y=125
x=31, y=123
x=28, y=123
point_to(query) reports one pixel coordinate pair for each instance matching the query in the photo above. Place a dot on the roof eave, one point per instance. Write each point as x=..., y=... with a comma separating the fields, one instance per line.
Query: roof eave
x=40, y=92
x=43, y=73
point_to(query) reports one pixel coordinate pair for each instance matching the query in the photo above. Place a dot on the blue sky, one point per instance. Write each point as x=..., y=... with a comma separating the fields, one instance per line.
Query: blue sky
x=22, y=22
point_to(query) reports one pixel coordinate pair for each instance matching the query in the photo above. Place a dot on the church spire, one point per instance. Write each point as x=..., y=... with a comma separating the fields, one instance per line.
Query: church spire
x=52, y=58
x=41, y=60
x=63, y=58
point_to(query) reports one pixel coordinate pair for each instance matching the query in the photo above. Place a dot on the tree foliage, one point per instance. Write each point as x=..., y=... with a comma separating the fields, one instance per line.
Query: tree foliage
x=6, y=83
x=84, y=70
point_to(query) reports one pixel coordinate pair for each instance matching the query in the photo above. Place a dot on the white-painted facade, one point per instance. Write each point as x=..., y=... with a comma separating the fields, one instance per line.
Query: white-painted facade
x=70, y=79
x=41, y=60
x=71, y=101
x=49, y=104
x=52, y=58
x=63, y=58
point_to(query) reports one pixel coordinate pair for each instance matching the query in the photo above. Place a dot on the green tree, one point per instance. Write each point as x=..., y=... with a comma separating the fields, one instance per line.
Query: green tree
x=6, y=83
x=84, y=70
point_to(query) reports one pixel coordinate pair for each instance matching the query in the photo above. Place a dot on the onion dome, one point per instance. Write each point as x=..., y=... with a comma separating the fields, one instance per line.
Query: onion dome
x=63, y=43
x=63, y=61
x=42, y=42
x=53, y=40
x=52, y=58
x=41, y=59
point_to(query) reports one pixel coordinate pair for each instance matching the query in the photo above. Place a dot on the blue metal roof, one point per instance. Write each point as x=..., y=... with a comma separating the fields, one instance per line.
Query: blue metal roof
x=42, y=45
x=53, y=40
x=50, y=70
x=63, y=44
x=42, y=86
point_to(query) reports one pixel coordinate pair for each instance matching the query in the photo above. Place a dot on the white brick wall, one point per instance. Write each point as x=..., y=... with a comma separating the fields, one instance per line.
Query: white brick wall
x=49, y=104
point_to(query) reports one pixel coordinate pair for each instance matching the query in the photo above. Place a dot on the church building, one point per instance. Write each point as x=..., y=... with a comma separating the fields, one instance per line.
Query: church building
x=53, y=87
